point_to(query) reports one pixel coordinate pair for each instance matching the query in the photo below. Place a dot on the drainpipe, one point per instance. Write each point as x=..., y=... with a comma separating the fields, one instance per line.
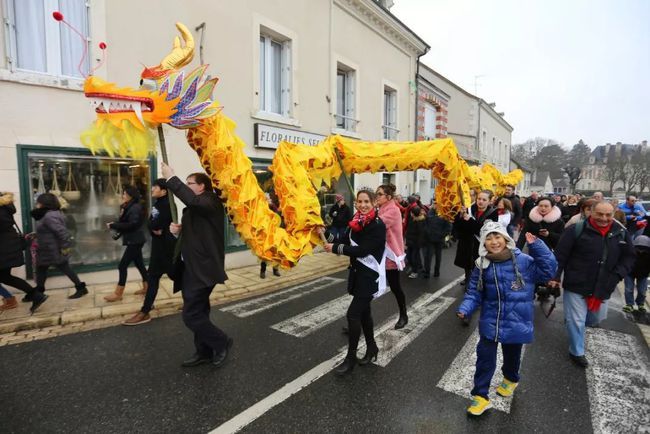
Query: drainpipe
x=478, y=132
x=417, y=102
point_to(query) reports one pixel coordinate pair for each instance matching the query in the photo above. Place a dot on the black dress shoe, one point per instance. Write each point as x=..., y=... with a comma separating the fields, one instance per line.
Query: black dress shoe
x=401, y=322
x=579, y=360
x=37, y=302
x=196, y=360
x=218, y=359
x=276, y=272
x=79, y=293
x=371, y=356
x=345, y=368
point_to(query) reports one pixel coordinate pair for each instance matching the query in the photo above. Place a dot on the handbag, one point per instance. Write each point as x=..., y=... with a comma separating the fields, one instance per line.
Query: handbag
x=24, y=245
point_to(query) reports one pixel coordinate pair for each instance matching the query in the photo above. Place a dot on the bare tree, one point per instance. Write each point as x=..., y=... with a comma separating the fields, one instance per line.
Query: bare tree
x=636, y=168
x=612, y=172
x=576, y=161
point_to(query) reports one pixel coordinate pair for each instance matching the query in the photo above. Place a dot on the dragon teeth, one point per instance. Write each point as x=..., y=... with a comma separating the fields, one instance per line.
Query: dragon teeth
x=137, y=108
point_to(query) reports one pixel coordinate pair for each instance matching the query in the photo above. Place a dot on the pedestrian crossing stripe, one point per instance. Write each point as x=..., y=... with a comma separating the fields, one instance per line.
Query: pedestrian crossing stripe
x=459, y=377
x=260, y=304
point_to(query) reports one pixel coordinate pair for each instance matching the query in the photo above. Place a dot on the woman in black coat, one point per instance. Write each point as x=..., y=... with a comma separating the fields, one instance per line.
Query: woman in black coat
x=11, y=251
x=130, y=227
x=545, y=222
x=367, y=278
x=53, y=243
x=467, y=228
x=341, y=215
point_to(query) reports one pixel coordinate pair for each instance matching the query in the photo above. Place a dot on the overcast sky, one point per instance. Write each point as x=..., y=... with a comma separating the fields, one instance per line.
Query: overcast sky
x=562, y=69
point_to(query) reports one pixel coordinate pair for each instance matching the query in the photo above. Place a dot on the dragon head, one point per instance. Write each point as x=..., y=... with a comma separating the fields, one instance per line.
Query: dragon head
x=167, y=95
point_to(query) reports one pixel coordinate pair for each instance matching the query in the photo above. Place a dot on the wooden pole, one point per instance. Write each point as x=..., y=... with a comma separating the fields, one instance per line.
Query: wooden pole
x=163, y=152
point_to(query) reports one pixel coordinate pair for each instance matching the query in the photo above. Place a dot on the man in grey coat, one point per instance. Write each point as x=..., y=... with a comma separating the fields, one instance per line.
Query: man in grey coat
x=201, y=263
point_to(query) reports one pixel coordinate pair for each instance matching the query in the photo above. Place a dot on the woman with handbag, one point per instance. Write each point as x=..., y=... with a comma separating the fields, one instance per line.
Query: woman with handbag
x=129, y=227
x=367, y=278
x=53, y=243
x=12, y=245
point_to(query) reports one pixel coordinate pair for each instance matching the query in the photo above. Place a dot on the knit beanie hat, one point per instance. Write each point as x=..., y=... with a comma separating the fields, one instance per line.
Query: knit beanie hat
x=490, y=227
x=642, y=241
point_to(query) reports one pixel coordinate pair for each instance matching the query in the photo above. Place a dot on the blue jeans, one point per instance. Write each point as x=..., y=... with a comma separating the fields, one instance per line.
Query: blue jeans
x=486, y=363
x=4, y=293
x=577, y=317
x=641, y=287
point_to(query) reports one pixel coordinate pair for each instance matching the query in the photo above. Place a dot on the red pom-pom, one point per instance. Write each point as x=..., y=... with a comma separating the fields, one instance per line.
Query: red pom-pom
x=102, y=45
x=57, y=15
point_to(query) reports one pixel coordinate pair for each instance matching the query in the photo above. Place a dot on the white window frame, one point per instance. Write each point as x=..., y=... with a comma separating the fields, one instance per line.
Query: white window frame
x=389, y=126
x=430, y=130
x=266, y=41
x=53, y=73
x=346, y=121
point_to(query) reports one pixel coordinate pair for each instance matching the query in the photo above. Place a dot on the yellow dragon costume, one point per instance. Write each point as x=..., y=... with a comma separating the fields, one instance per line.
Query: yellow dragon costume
x=126, y=119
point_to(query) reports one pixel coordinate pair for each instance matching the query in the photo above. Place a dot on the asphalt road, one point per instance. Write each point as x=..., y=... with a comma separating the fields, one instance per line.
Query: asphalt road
x=129, y=379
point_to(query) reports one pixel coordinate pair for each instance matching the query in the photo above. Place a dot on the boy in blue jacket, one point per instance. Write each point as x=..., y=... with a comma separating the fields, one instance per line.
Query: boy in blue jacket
x=503, y=285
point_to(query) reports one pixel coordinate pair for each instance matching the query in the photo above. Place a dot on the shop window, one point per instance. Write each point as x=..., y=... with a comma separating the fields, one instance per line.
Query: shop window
x=89, y=189
x=265, y=181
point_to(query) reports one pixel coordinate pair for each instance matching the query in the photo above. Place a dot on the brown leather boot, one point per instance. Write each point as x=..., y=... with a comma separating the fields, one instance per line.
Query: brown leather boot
x=8, y=303
x=117, y=295
x=143, y=291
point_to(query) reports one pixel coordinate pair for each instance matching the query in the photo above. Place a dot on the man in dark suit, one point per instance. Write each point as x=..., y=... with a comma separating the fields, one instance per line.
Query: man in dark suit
x=201, y=266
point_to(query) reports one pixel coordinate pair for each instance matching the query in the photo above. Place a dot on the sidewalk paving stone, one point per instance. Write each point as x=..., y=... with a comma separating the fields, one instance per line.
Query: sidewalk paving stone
x=59, y=315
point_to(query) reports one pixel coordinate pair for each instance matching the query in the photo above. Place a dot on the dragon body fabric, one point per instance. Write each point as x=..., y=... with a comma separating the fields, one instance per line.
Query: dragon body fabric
x=126, y=119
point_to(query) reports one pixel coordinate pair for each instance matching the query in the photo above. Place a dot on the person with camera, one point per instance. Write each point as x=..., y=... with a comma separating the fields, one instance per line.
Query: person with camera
x=129, y=228
x=53, y=243
x=162, y=249
x=594, y=256
x=341, y=215
x=502, y=285
x=12, y=246
x=545, y=222
x=367, y=277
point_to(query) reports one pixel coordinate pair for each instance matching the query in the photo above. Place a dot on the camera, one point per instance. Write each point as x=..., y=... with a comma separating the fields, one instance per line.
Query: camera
x=543, y=292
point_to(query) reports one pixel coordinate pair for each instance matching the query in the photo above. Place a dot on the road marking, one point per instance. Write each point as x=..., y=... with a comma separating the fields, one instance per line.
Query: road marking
x=261, y=407
x=392, y=342
x=459, y=377
x=260, y=304
x=314, y=319
x=618, y=380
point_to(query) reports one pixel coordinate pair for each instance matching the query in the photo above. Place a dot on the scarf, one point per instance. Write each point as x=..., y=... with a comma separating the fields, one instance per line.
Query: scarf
x=603, y=230
x=39, y=213
x=501, y=256
x=360, y=221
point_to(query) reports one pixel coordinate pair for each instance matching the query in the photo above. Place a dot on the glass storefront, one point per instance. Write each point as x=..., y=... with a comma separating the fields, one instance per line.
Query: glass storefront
x=89, y=188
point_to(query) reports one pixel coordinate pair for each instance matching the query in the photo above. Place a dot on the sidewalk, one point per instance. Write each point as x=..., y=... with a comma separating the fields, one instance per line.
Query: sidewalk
x=59, y=315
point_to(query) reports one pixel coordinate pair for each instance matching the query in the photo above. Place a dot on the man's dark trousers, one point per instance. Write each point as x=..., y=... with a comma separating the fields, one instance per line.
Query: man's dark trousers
x=196, y=315
x=431, y=249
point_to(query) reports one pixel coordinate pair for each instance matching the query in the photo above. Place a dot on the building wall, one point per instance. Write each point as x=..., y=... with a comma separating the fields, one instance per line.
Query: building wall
x=495, y=139
x=50, y=111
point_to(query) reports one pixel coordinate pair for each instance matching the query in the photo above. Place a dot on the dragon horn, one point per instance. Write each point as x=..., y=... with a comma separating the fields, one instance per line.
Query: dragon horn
x=180, y=56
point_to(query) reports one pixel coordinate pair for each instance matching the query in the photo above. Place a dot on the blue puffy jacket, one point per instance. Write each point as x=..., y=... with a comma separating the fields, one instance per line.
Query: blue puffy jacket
x=506, y=313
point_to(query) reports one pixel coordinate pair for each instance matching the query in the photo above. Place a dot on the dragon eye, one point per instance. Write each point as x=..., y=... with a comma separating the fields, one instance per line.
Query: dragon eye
x=148, y=84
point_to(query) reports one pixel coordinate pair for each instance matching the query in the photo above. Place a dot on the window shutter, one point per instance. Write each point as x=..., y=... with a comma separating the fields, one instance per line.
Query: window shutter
x=286, y=79
x=350, y=100
x=10, y=33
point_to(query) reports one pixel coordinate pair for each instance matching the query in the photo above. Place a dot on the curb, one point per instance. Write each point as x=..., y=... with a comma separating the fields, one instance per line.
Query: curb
x=48, y=325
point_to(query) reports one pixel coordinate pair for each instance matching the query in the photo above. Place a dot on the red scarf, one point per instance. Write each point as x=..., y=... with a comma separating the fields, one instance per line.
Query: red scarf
x=501, y=211
x=360, y=221
x=479, y=213
x=603, y=230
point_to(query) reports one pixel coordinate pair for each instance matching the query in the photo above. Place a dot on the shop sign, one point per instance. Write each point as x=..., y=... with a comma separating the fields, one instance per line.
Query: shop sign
x=270, y=137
